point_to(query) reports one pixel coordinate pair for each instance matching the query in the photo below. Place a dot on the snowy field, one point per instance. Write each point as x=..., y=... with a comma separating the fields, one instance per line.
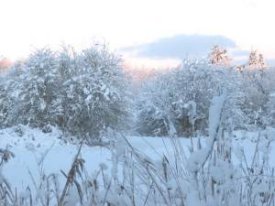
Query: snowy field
x=46, y=153
x=36, y=151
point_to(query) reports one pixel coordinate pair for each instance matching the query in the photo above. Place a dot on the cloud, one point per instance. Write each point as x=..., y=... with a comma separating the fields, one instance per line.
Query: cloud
x=181, y=46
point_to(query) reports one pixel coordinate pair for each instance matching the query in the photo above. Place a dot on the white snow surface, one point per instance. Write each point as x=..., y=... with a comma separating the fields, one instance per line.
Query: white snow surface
x=35, y=151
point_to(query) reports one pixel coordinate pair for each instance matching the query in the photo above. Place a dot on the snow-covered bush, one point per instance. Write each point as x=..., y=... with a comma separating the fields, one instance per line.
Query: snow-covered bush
x=6, y=104
x=83, y=93
x=37, y=90
x=178, y=101
x=95, y=94
x=257, y=87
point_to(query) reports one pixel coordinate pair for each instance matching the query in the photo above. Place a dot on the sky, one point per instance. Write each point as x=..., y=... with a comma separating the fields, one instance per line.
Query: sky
x=138, y=29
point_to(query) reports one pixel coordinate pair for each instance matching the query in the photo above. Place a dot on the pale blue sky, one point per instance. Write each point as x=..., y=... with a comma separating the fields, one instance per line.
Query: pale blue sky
x=29, y=24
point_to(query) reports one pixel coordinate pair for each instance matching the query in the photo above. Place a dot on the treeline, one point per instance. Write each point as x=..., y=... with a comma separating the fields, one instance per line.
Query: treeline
x=84, y=93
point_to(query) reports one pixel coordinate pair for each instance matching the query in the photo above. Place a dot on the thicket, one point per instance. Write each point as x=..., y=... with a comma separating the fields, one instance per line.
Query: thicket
x=82, y=93
x=177, y=102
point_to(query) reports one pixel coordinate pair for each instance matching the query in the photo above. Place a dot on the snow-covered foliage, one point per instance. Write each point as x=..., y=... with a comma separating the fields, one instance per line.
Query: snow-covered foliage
x=95, y=94
x=83, y=93
x=181, y=98
x=178, y=101
x=37, y=90
x=257, y=88
x=219, y=56
x=86, y=92
x=256, y=61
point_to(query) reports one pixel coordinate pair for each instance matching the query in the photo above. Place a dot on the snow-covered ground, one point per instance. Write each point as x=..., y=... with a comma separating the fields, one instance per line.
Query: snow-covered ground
x=37, y=152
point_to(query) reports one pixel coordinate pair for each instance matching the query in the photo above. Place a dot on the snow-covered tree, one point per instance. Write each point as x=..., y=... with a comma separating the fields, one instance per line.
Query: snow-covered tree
x=219, y=56
x=94, y=93
x=256, y=61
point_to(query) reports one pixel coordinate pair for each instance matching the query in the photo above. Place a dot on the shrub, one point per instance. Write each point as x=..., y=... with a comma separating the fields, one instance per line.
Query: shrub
x=179, y=100
x=82, y=93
